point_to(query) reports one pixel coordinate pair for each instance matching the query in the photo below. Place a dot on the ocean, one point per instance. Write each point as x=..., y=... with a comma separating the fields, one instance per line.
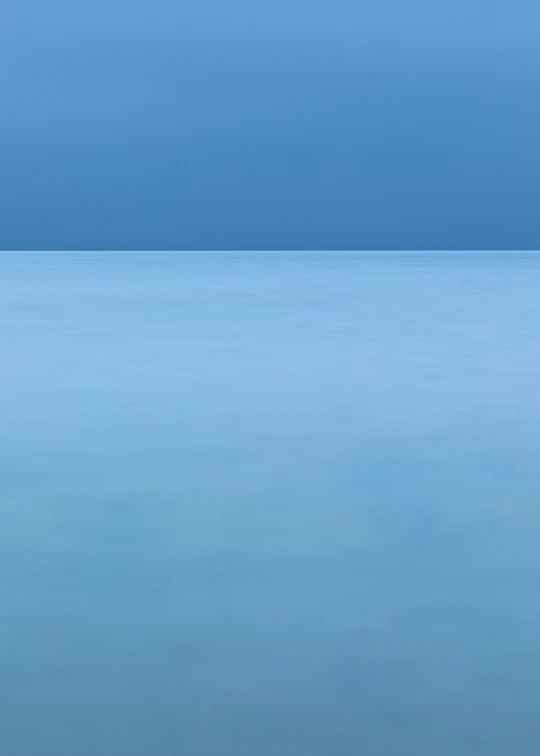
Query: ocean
x=269, y=504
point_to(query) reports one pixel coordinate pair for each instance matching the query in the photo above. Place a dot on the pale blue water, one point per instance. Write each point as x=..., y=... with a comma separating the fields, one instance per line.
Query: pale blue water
x=269, y=505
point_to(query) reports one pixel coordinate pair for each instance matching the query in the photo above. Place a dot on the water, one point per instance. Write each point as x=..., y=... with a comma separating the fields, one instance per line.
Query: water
x=269, y=504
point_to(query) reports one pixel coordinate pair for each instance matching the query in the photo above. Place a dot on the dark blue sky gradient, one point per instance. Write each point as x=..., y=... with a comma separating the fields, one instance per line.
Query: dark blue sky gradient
x=345, y=125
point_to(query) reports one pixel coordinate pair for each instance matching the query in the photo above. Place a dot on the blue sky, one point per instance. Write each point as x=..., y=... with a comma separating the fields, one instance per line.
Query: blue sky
x=276, y=125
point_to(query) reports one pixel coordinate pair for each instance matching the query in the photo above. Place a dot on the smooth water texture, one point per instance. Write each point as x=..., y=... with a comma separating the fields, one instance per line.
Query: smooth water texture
x=269, y=504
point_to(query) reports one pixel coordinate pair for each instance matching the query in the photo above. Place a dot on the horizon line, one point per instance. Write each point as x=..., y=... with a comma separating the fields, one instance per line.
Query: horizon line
x=278, y=251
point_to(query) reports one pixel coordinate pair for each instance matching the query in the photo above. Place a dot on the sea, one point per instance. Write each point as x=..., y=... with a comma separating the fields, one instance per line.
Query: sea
x=269, y=504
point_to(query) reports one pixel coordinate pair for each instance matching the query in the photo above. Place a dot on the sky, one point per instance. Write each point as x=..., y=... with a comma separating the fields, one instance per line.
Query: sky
x=240, y=124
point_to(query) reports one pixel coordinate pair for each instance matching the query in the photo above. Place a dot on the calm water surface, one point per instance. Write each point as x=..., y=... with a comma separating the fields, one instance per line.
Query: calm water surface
x=269, y=505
